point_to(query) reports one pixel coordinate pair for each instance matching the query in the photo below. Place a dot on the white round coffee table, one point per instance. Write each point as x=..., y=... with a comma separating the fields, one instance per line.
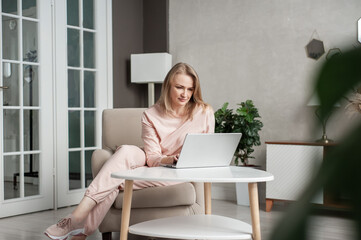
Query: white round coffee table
x=195, y=226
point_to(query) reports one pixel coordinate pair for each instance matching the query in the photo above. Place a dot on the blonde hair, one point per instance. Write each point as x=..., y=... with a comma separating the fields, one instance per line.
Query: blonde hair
x=196, y=99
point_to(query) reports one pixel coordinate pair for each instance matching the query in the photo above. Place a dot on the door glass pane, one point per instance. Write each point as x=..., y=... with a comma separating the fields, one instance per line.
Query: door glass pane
x=29, y=8
x=88, y=13
x=9, y=6
x=73, y=48
x=73, y=88
x=10, y=38
x=74, y=129
x=31, y=130
x=74, y=170
x=11, y=177
x=89, y=89
x=11, y=80
x=89, y=123
x=89, y=50
x=73, y=12
x=11, y=130
x=31, y=85
x=88, y=169
x=30, y=41
x=31, y=175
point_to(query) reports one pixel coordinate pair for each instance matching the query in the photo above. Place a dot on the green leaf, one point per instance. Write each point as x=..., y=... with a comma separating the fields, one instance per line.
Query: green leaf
x=225, y=106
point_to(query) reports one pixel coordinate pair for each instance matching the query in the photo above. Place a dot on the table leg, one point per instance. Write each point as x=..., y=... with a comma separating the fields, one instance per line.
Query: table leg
x=254, y=205
x=208, y=197
x=127, y=202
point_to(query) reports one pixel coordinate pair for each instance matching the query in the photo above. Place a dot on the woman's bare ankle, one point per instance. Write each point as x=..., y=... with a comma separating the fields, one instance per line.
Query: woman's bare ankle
x=83, y=209
x=82, y=237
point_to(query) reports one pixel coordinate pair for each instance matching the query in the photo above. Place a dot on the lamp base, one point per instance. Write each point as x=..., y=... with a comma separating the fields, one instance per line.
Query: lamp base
x=324, y=140
x=150, y=94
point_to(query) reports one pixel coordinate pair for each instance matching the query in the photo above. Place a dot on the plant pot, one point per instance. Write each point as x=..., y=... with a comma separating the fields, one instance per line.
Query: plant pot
x=242, y=189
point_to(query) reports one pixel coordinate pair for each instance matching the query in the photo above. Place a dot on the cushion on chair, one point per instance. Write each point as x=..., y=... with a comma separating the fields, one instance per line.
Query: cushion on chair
x=175, y=195
x=121, y=127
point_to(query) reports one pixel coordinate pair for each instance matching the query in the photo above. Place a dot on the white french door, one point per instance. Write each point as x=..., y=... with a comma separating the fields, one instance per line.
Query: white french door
x=83, y=57
x=56, y=78
x=26, y=126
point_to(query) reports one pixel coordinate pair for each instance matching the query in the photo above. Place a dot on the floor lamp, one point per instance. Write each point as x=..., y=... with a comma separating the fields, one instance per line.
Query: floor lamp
x=149, y=68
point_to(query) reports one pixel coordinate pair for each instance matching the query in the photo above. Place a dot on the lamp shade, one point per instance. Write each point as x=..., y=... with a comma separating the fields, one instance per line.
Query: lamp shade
x=315, y=101
x=149, y=67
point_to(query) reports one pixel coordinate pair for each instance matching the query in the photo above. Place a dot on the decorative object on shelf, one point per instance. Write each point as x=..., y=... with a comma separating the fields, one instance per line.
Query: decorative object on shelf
x=314, y=102
x=244, y=120
x=315, y=48
x=150, y=68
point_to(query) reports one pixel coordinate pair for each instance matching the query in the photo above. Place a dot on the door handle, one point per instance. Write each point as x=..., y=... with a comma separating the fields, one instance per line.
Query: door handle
x=2, y=87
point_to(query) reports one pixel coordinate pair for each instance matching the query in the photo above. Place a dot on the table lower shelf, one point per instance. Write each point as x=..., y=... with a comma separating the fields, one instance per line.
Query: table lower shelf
x=194, y=227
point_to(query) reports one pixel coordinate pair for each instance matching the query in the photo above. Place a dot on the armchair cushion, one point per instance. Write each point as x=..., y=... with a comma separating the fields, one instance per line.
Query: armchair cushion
x=122, y=127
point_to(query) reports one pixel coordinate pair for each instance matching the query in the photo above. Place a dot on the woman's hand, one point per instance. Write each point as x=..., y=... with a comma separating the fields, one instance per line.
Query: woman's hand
x=170, y=159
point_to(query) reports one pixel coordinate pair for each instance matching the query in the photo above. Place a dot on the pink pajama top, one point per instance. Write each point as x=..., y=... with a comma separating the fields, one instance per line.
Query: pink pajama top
x=163, y=135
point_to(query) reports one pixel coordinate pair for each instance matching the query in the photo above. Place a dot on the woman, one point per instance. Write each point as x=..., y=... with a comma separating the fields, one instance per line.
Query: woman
x=180, y=110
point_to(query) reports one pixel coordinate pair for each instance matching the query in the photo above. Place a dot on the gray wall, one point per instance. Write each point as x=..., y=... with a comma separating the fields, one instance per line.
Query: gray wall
x=139, y=26
x=247, y=49
x=127, y=39
x=155, y=13
x=155, y=26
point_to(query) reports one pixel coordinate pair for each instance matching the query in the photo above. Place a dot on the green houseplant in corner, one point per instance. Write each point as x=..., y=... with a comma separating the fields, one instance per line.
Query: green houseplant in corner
x=244, y=120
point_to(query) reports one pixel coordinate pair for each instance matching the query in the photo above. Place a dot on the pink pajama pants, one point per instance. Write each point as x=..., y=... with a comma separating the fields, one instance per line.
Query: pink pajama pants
x=104, y=189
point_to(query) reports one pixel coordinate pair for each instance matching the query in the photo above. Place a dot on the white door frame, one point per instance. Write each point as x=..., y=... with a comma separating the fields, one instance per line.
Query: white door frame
x=45, y=198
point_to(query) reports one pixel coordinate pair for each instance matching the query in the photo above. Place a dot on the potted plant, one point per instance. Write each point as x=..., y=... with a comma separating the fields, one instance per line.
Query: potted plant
x=244, y=120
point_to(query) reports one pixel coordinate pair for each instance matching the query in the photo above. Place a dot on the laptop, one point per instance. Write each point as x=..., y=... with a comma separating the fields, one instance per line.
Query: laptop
x=207, y=150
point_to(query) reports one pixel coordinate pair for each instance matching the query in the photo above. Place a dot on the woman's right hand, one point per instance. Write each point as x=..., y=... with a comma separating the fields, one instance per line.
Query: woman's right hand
x=170, y=159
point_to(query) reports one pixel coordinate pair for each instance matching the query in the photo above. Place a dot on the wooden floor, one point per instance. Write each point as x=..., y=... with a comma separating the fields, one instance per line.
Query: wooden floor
x=324, y=227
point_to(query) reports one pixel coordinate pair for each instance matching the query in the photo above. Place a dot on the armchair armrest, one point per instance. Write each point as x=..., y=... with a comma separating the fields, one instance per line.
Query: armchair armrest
x=99, y=157
x=199, y=189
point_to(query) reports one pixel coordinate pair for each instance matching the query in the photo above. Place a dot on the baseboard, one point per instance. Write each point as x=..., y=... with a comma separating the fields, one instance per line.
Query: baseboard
x=224, y=191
